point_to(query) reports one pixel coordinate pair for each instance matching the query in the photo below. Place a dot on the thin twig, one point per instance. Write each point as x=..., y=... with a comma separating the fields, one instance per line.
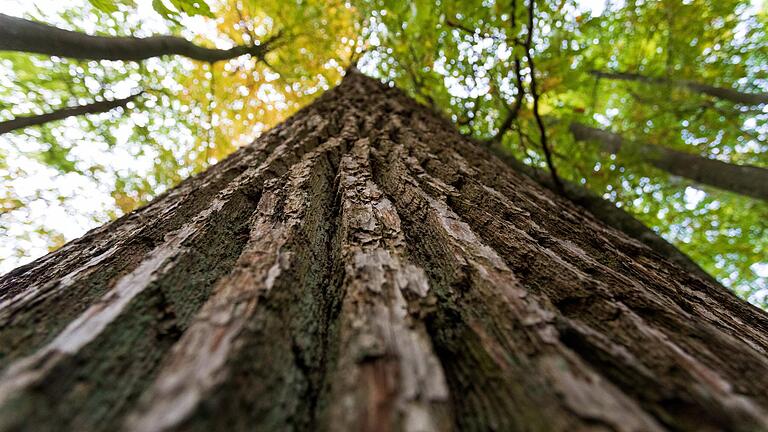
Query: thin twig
x=515, y=109
x=535, y=95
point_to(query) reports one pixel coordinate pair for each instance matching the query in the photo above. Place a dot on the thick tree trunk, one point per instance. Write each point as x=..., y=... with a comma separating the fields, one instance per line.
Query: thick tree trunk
x=18, y=34
x=364, y=267
x=21, y=122
x=607, y=213
x=718, y=92
x=742, y=179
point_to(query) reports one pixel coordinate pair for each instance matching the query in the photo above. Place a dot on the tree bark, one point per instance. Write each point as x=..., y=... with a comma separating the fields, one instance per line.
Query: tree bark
x=742, y=179
x=718, y=92
x=607, y=213
x=363, y=266
x=18, y=34
x=21, y=122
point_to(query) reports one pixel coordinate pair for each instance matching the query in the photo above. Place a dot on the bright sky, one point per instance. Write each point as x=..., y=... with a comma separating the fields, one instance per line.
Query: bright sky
x=87, y=196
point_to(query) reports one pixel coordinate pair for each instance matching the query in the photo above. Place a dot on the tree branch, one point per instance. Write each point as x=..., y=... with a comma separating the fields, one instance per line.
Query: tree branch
x=515, y=109
x=17, y=34
x=455, y=24
x=718, y=92
x=534, y=93
x=741, y=179
x=518, y=103
x=91, y=108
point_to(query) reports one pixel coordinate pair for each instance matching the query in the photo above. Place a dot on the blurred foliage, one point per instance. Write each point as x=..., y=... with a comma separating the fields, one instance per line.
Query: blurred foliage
x=456, y=56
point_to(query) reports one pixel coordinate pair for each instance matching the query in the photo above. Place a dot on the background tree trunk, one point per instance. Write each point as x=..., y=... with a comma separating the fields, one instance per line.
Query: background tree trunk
x=741, y=179
x=718, y=92
x=364, y=267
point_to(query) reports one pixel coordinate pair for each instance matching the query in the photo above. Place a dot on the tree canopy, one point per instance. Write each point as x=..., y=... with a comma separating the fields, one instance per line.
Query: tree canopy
x=595, y=93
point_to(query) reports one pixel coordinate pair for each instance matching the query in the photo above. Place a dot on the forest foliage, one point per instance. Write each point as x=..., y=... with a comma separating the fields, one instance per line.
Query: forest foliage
x=515, y=73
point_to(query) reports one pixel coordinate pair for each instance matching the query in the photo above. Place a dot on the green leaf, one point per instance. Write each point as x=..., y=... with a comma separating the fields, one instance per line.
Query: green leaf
x=193, y=7
x=164, y=11
x=186, y=7
x=109, y=6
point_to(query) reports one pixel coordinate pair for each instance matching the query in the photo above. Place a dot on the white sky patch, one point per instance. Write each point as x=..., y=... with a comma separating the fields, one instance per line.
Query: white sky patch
x=602, y=119
x=39, y=188
x=71, y=203
x=18, y=8
x=596, y=7
x=693, y=197
x=760, y=269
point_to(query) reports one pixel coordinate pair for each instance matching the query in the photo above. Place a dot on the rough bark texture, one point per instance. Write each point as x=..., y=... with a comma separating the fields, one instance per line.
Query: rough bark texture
x=718, y=92
x=18, y=34
x=21, y=122
x=607, y=213
x=742, y=179
x=364, y=267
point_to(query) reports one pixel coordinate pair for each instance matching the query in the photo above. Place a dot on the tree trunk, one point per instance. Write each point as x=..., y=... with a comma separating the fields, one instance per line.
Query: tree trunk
x=18, y=34
x=364, y=267
x=607, y=212
x=718, y=92
x=742, y=179
x=21, y=122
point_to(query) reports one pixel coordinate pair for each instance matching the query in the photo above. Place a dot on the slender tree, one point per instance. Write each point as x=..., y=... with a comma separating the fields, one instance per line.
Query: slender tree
x=21, y=122
x=742, y=179
x=18, y=34
x=363, y=266
x=718, y=92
